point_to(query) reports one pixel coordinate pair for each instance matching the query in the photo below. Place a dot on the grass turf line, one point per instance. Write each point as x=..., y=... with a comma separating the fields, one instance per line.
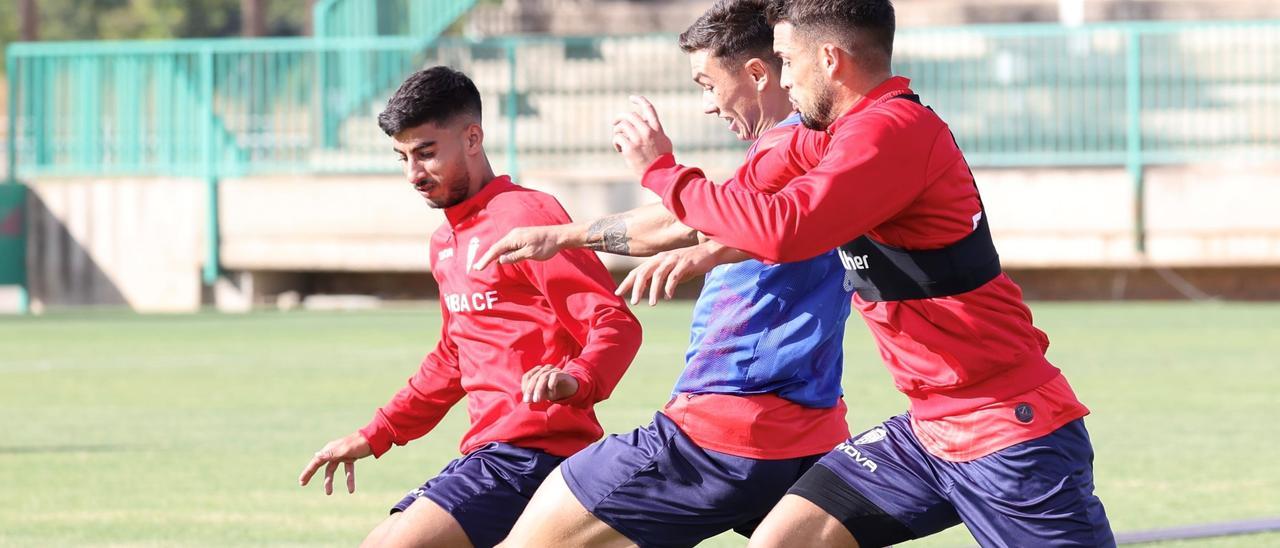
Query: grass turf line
x=125, y=430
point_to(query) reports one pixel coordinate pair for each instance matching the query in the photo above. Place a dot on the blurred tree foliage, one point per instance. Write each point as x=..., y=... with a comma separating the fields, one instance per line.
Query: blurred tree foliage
x=150, y=19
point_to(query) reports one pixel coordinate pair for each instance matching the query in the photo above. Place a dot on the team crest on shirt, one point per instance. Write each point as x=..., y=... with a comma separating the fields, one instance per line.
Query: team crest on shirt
x=871, y=436
x=472, y=248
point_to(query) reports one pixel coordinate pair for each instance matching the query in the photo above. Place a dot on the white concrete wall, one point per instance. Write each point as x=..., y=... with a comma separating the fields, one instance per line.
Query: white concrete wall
x=1213, y=216
x=136, y=242
x=140, y=242
x=1040, y=218
x=372, y=223
x=1200, y=216
x=1055, y=218
x=312, y=223
x=10, y=299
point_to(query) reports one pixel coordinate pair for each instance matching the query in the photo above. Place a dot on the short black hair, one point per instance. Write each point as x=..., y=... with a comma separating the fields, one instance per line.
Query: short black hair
x=733, y=31
x=856, y=24
x=435, y=95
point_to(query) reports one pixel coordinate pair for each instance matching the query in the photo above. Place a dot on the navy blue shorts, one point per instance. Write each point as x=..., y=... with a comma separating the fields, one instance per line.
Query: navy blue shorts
x=487, y=489
x=887, y=489
x=657, y=488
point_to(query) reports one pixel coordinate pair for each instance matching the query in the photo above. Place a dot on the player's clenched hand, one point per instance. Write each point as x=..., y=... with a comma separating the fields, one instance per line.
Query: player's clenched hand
x=547, y=383
x=538, y=243
x=662, y=273
x=345, y=451
x=639, y=136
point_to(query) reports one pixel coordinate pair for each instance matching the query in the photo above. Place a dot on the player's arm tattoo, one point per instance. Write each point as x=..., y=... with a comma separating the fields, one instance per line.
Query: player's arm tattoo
x=609, y=235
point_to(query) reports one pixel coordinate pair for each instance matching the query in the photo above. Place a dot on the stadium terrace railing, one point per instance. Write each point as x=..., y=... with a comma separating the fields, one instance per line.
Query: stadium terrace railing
x=1016, y=95
x=423, y=20
x=1125, y=94
x=364, y=18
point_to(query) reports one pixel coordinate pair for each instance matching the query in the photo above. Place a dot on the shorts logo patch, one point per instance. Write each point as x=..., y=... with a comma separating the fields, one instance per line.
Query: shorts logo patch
x=1024, y=413
x=871, y=436
x=857, y=456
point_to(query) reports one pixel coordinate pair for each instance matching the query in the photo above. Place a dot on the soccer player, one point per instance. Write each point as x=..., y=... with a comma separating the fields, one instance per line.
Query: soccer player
x=759, y=399
x=533, y=346
x=994, y=437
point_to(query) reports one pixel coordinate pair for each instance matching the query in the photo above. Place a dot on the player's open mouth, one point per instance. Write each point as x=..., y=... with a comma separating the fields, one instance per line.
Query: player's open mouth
x=424, y=186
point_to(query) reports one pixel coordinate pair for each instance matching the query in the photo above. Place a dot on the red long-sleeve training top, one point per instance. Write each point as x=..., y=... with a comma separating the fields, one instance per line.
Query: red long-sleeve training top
x=973, y=365
x=505, y=320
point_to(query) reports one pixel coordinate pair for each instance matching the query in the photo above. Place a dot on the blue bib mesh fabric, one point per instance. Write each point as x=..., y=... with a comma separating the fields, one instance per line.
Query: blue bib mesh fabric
x=778, y=329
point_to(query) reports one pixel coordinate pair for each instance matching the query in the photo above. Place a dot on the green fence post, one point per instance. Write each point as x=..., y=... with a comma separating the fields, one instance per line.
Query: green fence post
x=13, y=200
x=513, y=109
x=11, y=159
x=24, y=300
x=13, y=240
x=213, y=258
x=319, y=36
x=1133, y=156
x=87, y=73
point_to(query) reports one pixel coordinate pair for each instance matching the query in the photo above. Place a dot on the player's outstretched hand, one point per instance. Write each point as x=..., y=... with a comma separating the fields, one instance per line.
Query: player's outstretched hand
x=662, y=273
x=345, y=451
x=639, y=136
x=547, y=383
x=538, y=243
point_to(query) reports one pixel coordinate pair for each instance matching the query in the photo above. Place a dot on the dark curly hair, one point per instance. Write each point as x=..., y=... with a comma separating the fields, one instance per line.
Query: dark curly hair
x=435, y=95
x=733, y=31
x=856, y=25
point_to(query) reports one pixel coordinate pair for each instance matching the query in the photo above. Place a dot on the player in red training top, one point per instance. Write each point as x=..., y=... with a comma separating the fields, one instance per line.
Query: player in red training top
x=759, y=400
x=994, y=437
x=533, y=346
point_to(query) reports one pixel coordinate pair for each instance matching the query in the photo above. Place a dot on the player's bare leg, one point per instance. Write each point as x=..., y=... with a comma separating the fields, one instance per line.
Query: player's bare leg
x=554, y=517
x=797, y=522
x=425, y=524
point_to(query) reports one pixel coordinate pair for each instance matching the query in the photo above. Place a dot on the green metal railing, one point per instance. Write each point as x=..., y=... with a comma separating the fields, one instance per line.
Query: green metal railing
x=1112, y=94
x=340, y=70
x=365, y=18
x=1132, y=95
x=1123, y=94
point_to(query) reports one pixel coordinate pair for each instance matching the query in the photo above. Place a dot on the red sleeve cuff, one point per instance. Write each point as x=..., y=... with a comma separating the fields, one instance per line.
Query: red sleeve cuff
x=585, y=396
x=661, y=174
x=378, y=436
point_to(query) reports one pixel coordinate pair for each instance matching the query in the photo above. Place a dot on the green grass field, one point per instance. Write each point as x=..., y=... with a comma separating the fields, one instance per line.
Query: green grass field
x=124, y=430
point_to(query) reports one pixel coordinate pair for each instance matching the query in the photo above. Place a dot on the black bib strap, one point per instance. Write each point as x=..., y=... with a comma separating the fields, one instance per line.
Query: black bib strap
x=882, y=272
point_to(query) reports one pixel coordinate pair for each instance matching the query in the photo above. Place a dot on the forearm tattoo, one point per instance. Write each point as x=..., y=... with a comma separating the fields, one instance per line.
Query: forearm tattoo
x=610, y=235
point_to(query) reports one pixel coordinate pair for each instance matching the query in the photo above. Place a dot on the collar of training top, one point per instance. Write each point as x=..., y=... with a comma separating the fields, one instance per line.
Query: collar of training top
x=468, y=207
x=893, y=87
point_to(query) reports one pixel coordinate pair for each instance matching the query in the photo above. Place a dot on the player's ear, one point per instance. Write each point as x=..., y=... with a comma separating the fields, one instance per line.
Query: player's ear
x=759, y=72
x=474, y=138
x=829, y=58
